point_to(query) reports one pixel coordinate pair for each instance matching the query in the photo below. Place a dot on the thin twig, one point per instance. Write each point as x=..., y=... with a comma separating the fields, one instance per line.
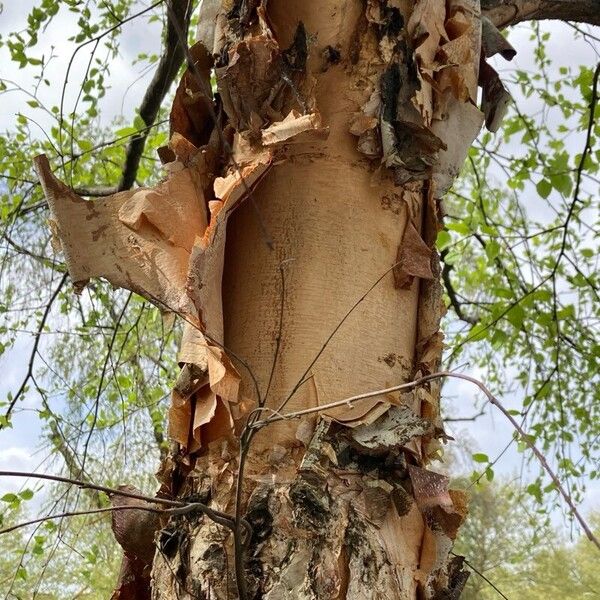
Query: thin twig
x=493, y=400
x=217, y=516
x=101, y=382
x=94, y=40
x=279, y=329
x=480, y=574
x=36, y=343
x=78, y=513
x=580, y=167
x=301, y=381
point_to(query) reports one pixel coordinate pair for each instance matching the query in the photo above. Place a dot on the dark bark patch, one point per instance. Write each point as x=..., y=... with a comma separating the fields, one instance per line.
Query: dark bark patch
x=363, y=561
x=389, y=87
x=457, y=579
x=402, y=501
x=169, y=541
x=241, y=14
x=312, y=503
x=393, y=23
x=331, y=56
x=215, y=556
x=296, y=55
x=260, y=518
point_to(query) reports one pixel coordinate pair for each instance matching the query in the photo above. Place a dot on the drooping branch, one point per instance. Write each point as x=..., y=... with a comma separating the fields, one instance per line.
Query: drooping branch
x=276, y=416
x=71, y=461
x=29, y=374
x=510, y=12
x=175, y=506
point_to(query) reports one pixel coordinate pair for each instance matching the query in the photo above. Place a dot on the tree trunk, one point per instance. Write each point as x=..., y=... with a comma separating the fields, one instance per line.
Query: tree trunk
x=340, y=505
x=340, y=124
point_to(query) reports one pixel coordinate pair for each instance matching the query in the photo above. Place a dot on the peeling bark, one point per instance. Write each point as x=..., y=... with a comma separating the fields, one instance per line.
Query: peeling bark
x=348, y=525
x=334, y=513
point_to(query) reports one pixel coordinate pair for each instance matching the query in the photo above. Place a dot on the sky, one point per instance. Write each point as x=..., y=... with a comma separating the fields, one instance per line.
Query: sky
x=19, y=447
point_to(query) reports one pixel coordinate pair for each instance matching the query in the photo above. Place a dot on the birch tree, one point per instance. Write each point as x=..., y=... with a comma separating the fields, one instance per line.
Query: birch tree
x=311, y=146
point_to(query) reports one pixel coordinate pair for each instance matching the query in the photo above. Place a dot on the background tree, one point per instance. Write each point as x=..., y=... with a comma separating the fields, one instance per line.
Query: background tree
x=515, y=552
x=520, y=312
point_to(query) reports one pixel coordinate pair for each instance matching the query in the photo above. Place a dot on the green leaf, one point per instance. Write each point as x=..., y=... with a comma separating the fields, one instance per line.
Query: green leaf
x=85, y=145
x=535, y=490
x=543, y=187
x=459, y=227
x=443, y=239
x=481, y=458
x=26, y=494
x=516, y=316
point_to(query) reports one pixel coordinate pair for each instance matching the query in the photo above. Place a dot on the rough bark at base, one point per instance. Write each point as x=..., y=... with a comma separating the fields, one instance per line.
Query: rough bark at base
x=346, y=526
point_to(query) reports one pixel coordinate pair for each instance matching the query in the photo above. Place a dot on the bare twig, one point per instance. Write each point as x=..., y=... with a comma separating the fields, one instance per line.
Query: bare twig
x=79, y=513
x=279, y=329
x=464, y=419
x=480, y=574
x=420, y=381
x=184, y=507
x=302, y=379
x=38, y=335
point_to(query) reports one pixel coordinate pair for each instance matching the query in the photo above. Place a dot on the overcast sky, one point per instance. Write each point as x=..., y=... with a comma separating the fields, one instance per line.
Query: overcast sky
x=17, y=446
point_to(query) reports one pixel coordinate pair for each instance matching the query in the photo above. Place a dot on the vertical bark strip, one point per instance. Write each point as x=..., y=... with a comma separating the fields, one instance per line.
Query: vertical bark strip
x=295, y=234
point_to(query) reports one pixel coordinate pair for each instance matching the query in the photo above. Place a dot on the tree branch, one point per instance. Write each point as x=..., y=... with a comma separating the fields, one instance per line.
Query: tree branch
x=510, y=12
x=176, y=506
x=454, y=301
x=523, y=436
x=164, y=76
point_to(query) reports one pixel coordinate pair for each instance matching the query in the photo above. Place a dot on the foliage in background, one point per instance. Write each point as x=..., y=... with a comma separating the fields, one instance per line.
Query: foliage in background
x=521, y=271
x=89, y=560
x=513, y=550
x=521, y=264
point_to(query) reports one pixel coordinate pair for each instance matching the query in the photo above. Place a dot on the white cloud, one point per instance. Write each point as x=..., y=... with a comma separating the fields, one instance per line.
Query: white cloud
x=15, y=458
